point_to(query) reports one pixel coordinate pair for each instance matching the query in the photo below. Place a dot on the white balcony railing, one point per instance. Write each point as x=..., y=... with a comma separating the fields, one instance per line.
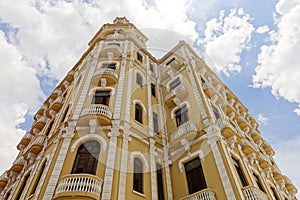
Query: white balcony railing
x=206, y=194
x=84, y=184
x=253, y=193
x=185, y=128
x=97, y=109
x=107, y=71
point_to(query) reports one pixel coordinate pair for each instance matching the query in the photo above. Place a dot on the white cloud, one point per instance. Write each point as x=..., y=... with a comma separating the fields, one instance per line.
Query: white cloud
x=279, y=61
x=287, y=158
x=226, y=37
x=262, y=119
x=262, y=29
x=20, y=93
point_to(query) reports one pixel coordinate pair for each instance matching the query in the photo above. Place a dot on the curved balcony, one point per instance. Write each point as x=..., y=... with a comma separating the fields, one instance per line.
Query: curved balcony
x=179, y=92
x=277, y=173
x=226, y=127
x=253, y=193
x=186, y=131
x=110, y=74
x=264, y=161
x=256, y=136
x=102, y=112
x=209, y=90
x=267, y=147
x=40, y=112
x=248, y=147
x=3, y=180
x=228, y=107
x=36, y=145
x=40, y=123
x=113, y=48
x=18, y=164
x=55, y=106
x=77, y=186
x=206, y=194
x=289, y=186
x=25, y=141
x=242, y=122
x=70, y=76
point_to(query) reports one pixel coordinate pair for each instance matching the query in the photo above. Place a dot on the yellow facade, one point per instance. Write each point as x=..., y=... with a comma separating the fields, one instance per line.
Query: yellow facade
x=125, y=125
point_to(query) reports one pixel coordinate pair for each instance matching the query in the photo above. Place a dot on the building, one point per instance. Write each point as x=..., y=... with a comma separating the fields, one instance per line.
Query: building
x=125, y=125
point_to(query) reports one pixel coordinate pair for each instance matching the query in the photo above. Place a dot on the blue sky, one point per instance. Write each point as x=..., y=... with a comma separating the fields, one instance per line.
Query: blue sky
x=252, y=45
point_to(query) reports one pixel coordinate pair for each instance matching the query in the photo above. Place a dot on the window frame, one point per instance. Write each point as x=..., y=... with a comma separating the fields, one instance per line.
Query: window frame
x=138, y=113
x=195, y=176
x=139, y=79
x=86, y=156
x=138, y=176
x=240, y=172
x=139, y=57
x=153, y=90
x=181, y=115
x=101, y=99
x=160, y=182
x=155, y=123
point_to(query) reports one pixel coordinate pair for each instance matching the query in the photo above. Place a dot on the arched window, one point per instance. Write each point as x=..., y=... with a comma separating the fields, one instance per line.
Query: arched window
x=138, y=114
x=87, y=158
x=138, y=175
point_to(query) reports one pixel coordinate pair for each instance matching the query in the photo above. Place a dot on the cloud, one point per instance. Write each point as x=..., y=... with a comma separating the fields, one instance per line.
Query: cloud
x=20, y=93
x=226, y=37
x=262, y=119
x=287, y=160
x=279, y=60
x=262, y=29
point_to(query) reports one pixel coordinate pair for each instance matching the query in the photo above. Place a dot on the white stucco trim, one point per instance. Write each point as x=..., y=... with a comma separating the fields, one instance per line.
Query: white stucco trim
x=93, y=90
x=108, y=62
x=195, y=154
x=89, y=137
x=173, y=79
x=137, y=101
x=138, y=154
x=186, y=103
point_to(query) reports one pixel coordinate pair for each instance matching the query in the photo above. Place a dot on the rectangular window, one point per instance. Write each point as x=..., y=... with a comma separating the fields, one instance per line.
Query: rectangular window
x=160, y=185
x=139, y=57
x=139, y=79
x=109, y=66
x=138, y=114
x=240, y=172
x=155, y=123
x=181, y=115
x=258, y=183
x=274, y=193
x=195, y=176
x=174, y=83
x=101, y=97
x=153, y=91
x=216, y=112
x=151, y=67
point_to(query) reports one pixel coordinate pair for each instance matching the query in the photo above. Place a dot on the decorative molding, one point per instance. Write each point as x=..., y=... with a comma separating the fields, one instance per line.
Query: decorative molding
x=139, y=154
x=195, y=154
x=137, y=101
x=89, y=137
x=186, y=103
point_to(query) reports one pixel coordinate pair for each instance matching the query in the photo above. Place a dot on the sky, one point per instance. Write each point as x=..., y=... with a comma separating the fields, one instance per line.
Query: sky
x=253, y=46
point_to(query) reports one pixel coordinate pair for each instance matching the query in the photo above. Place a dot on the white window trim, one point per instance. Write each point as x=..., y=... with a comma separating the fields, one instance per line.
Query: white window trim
x=173, y=79
x=137, y=101
x=142, y=75
x=89, y=137
x=195, y=154
x=139, y=154
x=108, y=62
x=178, y=107
x=93, y=90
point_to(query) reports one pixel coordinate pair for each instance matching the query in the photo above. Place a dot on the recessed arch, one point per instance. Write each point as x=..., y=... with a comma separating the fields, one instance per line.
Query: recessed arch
x=141, y=156
x=88, y=137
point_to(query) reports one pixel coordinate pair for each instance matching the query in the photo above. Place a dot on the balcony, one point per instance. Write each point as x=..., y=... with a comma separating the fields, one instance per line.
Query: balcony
x=18, y=164
x=228, y=107
x=206, y=194
x=209, y=90
x=57, y=104
x=36, y=144
x=248, y=147
x=3, y=180
x=111, y=48
x=102, y=112
x=256, y=136
x=25, y=141
x=179, y=92
x=226, y=127
x=264, y=161
x=110, y=74
x=253, y=193
x=242, y=122
x=79, y=185
x=40, y=123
